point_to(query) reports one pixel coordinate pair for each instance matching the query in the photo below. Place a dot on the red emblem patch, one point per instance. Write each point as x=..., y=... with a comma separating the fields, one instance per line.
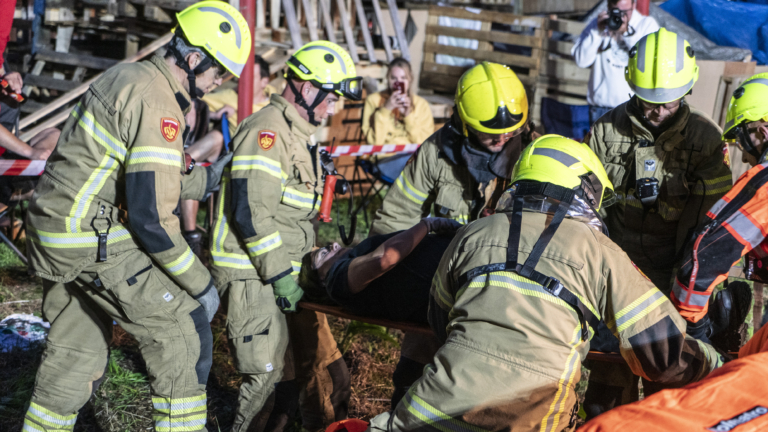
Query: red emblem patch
x=169, y=128
x=267, y=139
x=726, y=155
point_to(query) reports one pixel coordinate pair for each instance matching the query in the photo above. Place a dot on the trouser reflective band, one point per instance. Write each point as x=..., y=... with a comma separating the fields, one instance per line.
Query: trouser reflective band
x=43, y=420
x=436, y=418
x=183, y=414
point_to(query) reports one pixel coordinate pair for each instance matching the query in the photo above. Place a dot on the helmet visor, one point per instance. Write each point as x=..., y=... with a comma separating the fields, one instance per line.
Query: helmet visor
x=350, y=88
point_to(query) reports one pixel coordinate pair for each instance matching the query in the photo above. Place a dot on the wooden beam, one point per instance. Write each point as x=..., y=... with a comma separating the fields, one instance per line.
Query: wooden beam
x=384, y=36
x=292, y=24
x=493, y=56
x=82, y=88
x=399, y=33
x=364, y=28
x=567, y=26
x=311, y=21
x=50, y=83
x=274, y=14
x=487, y=36
x=87, y=61
x=328, y=24
x=350, y=39
x=487, y=15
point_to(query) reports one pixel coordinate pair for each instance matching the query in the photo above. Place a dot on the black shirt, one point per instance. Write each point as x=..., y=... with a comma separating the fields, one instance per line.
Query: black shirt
x=401, y=294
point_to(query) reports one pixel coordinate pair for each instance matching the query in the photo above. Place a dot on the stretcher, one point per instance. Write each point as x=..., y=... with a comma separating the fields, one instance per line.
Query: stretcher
x=424, y=329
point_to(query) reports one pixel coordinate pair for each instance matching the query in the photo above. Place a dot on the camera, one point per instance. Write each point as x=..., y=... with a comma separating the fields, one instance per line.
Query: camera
x=647, y=190
x=615, y=19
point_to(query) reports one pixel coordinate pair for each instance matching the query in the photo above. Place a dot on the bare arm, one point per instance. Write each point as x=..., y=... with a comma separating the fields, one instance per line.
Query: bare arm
x=365, y=269
x=10, y=142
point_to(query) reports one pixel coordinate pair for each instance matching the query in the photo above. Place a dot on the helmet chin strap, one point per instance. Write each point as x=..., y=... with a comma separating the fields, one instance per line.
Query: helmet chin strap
x=204, y=65
x=299, y=98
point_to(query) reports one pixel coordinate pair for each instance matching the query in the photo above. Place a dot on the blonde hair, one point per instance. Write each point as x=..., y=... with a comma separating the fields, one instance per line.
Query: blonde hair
x=402, y=64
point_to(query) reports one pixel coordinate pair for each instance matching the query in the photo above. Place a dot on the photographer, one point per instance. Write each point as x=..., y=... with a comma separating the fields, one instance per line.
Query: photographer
x=604, y=46
x=397, y=115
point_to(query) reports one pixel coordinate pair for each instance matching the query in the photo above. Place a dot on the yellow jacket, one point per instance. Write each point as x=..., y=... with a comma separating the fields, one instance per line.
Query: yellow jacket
x=216, y=101
x=382, y=126
x=118, y=172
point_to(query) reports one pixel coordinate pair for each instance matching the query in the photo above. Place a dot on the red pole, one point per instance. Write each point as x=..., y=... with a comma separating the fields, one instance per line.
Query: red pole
x=245, y=85
x=643, y=6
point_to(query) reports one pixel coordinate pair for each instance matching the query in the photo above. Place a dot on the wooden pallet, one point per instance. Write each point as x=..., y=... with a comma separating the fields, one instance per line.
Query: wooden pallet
x=444, y=78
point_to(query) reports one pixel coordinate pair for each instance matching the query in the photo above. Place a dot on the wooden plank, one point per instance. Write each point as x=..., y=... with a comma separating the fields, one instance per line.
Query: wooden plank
x=384, y=37
x=261, y=12
x=82, y=88
x=86, y=61
x=50, y=83
x=292, y=23
x=493, y=56
x=79, y=74
x=311, y=21
x=327, y=23
x=567, y=26
x=364, y=29
x=488, y=36
x=399, y=33
x=563, y=69
x=562, y=48
x=348, y=37
x=443, y=69
x=36, y=70
x=274, y=14
x=487, y=15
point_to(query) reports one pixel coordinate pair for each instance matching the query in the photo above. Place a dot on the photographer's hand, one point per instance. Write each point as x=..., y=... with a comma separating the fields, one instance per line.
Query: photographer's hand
x=602, y=21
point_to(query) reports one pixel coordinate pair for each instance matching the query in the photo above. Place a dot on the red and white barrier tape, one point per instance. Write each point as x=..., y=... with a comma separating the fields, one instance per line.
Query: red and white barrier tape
x=23, y=167
x=360, y=150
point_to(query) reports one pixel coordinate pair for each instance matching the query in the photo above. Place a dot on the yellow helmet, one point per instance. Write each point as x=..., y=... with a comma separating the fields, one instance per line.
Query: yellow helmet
x=491, y=99
x=564, y=162
x=662, y=67
x=328, y=67
x=220, y=30
x=749, y=103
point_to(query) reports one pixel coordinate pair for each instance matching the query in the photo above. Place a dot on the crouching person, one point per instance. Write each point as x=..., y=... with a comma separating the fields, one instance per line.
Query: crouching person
x=518, y=295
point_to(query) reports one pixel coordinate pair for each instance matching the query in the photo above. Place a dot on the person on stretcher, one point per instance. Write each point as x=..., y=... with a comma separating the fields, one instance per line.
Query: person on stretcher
x=385, y=276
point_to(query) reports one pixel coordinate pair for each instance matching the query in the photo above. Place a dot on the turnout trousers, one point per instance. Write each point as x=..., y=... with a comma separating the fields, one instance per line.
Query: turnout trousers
x=170, y=326
x=275, y=372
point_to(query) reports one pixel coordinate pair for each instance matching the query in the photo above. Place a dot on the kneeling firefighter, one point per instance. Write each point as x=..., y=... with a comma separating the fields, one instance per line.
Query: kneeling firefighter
x=458, y=173
x=263, y=228
x=105, y=237
x=514, y=331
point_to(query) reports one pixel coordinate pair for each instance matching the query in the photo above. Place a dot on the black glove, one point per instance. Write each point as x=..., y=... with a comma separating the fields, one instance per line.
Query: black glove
x=214, y=172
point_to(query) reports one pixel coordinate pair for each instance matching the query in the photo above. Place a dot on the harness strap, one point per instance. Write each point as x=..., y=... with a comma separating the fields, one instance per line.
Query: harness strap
x=550, y=284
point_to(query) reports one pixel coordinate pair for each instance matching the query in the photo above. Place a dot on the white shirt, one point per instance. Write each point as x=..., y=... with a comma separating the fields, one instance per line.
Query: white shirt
x=608, y=57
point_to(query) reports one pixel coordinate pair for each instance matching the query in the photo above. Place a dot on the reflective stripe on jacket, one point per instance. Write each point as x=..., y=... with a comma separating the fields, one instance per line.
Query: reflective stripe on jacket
x=117, y=171
x=269, y=195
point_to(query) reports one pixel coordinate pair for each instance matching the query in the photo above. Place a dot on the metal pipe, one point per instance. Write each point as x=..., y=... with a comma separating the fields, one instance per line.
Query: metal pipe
x=245, y=85
x=643, y=6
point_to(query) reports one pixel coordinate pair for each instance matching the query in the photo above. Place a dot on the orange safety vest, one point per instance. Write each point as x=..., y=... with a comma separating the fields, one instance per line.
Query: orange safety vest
x=732, y=398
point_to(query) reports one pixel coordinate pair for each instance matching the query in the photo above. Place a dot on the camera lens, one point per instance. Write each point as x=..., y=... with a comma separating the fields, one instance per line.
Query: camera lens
x=615, y=19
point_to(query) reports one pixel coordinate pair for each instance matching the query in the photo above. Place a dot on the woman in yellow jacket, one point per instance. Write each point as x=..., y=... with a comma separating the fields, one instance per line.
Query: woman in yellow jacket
x=396, y=115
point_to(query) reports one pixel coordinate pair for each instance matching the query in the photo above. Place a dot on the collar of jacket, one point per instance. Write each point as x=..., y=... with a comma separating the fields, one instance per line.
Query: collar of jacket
x=182, y=97
x=673, y=134
x=298, y=125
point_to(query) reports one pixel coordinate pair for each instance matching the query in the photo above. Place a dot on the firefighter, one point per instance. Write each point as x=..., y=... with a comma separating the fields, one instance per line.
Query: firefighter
x=263, y=228
x=459, y=172
x=464, y=166
x=104, y=236
x=518, y=295
x=667, y=163
x=734, y=227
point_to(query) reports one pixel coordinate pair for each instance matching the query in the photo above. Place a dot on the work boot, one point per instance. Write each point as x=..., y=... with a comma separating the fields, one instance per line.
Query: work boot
x=727, y=313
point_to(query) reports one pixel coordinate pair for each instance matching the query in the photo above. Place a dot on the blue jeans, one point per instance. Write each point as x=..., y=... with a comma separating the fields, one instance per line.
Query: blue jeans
x=595, y=112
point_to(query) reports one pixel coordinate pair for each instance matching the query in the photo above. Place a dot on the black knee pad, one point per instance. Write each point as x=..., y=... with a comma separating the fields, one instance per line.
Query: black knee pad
x=203, y=329
x=406, y=373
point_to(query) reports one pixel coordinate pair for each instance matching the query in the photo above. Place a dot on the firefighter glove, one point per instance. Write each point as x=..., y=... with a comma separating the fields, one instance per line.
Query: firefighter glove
x=442, y=225
x=287, y=293
x=214, y=172
x=209, y=300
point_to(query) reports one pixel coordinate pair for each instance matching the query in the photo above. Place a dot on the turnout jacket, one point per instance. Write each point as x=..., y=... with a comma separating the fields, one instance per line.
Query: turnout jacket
x=382, y=126
x=687, y=160
x=735, y=226
x=115, y=179
x=435, y=180
x=269, y=195
x=512, y=350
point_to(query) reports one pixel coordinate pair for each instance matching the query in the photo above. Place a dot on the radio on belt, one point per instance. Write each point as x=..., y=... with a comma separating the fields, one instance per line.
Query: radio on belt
x=647, y=190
